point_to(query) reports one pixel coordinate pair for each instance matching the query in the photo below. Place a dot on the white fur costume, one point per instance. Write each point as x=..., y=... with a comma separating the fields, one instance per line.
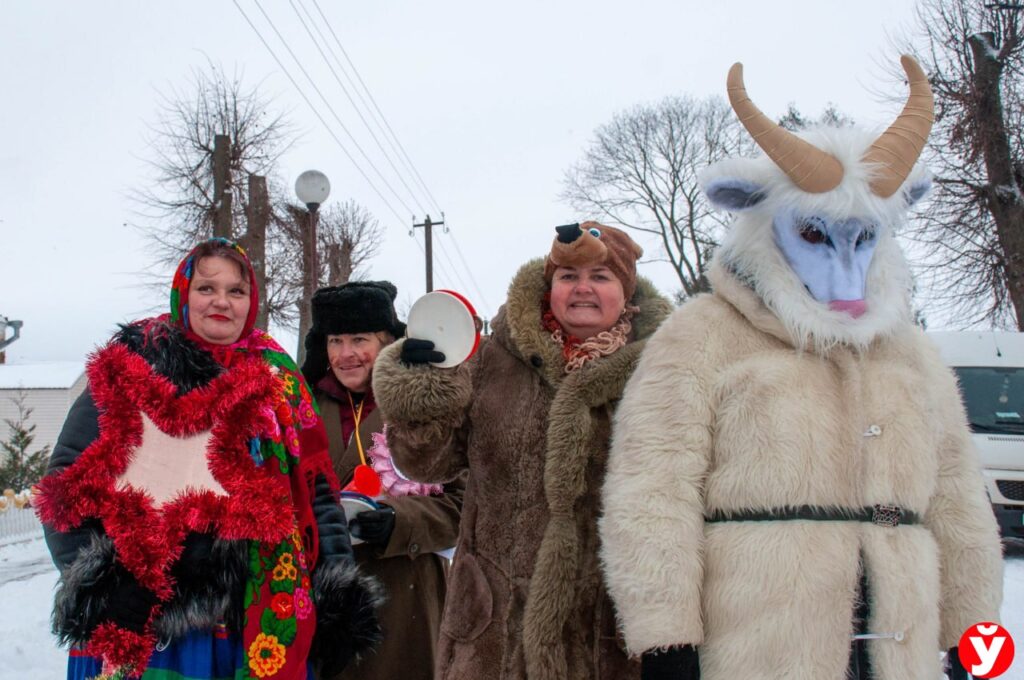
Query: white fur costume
x=758, y=397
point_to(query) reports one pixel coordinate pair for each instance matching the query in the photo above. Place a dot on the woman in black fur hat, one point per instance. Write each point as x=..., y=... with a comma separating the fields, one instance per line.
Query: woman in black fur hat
x=351, y=324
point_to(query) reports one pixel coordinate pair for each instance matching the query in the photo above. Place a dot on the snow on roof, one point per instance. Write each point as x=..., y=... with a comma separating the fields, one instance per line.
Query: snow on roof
x=980, y=348
x=40, y=375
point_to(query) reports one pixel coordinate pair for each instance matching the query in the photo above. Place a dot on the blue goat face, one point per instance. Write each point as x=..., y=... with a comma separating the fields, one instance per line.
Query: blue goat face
x=830, y=257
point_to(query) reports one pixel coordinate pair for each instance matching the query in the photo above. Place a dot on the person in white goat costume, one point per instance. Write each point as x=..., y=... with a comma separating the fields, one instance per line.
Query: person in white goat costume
x=792, y=491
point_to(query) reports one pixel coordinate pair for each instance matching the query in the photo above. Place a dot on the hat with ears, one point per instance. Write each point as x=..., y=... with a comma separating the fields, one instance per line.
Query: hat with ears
x=591, y=243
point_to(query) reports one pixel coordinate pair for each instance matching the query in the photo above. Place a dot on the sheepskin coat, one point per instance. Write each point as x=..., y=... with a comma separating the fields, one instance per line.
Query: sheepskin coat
x=526, y=597
x=724, y=414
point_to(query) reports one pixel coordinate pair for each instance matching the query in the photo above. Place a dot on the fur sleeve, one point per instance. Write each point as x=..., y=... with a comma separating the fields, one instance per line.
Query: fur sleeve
x=80, y=429
x=652, y=529
x=960, y=517
x=425, y=408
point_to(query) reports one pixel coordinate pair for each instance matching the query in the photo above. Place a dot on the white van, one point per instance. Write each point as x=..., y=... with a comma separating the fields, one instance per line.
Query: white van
x=990, y=369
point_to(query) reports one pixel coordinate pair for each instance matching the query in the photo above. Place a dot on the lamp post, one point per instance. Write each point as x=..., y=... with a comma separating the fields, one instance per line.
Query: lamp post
x=312, y=188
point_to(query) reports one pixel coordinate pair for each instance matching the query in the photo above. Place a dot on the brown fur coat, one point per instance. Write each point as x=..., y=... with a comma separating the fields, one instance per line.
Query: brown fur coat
x=526, y=596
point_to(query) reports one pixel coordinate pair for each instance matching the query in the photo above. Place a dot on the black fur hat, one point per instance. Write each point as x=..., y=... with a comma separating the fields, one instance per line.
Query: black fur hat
x=354, y=307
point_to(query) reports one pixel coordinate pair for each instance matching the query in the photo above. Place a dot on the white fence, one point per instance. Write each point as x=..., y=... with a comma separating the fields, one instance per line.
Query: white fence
x=19, y=524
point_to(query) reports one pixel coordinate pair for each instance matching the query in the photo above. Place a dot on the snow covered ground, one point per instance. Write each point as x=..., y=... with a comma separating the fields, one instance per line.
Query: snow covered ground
x=28, y=652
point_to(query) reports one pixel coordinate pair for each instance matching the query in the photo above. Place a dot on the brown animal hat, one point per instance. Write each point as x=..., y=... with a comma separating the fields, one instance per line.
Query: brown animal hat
x=591, y=243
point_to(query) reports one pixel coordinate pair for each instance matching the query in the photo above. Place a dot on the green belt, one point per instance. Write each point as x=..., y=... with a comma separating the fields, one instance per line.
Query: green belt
x=880, y=514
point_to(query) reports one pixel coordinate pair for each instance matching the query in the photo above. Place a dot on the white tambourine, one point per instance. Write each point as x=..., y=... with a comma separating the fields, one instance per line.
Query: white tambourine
x=355, y=503
x=448, y=320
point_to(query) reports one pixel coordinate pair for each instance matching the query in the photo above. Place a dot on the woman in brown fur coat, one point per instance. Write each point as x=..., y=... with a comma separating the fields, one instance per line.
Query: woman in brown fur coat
x=529, y=416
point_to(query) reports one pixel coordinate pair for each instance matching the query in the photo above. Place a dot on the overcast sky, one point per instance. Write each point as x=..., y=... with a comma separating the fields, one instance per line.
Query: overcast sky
x=492, y=103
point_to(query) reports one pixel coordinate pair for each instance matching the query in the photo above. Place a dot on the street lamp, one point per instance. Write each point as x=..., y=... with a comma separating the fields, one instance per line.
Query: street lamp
x=312, y=187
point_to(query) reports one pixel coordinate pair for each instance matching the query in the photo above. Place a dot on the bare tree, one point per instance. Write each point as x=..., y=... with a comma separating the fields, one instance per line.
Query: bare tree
x=795, y=121
x=348, y=236
x=178, y=208
x=641, y=170
x=972, y=236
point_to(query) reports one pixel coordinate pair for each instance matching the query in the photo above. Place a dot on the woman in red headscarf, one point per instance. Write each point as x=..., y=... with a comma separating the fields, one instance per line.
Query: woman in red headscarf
x=190, y=502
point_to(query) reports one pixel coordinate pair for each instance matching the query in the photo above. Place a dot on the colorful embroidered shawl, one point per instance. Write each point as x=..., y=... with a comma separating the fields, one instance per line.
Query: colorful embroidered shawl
x=267, y=445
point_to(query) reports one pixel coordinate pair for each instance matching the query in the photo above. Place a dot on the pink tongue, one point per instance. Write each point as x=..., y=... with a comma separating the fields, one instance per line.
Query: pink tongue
x=854, y=308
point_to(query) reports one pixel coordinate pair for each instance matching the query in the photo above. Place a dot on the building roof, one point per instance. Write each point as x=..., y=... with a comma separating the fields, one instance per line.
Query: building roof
x=41, y=375
x=980, y=348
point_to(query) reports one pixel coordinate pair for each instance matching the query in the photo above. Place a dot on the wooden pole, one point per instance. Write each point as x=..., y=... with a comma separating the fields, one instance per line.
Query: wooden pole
x=222, y=186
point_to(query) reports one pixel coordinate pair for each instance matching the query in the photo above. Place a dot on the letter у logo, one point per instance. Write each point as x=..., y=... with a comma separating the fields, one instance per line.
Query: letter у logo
x=986, y=650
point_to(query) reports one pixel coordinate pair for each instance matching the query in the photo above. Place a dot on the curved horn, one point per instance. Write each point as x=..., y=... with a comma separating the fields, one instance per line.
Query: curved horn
x=810, y=168
x=897, y=149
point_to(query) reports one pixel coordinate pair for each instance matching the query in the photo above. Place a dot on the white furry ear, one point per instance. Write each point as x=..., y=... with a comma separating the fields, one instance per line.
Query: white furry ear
x=733, y=194
x=734, y=184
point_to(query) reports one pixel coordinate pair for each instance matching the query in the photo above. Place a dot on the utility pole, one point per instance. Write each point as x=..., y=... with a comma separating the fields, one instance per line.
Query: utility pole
x=429, y=250
x=222, y=186
x=254, y=240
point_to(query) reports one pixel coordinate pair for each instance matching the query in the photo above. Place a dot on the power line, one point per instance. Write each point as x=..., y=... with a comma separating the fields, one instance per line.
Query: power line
x=448, y=259
x=400, y=148
x=469, y=270
x=329, y=107
x=423, y=252
x=375, y=106
x=359, y=113
x=383, y=118
x=357, y=90
x=316, y=112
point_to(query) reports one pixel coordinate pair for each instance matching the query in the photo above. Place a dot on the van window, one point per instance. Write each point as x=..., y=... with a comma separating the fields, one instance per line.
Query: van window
x=994, y=398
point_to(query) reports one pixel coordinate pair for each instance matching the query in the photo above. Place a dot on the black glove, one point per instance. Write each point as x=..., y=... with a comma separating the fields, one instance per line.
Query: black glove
x=416, y=351
x=675, y=663
x=954, y=668
x=332, y=526
x=374, y=526
x=130, y=603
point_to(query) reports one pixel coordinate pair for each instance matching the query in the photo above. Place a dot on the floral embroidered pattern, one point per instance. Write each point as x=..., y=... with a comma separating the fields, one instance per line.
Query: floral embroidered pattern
x=283, y=605
x=289, y=601
x=266, y=655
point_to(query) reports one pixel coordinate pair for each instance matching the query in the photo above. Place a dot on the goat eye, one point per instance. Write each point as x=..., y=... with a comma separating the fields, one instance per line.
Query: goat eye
x=596, y=233
x=812, y=234
x=865, y=236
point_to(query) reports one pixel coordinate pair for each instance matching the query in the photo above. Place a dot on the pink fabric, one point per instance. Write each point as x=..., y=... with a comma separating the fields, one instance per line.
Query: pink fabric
x=394, y=484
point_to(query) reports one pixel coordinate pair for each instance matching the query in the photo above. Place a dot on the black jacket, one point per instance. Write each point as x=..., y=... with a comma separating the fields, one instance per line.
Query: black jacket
x=210, y=574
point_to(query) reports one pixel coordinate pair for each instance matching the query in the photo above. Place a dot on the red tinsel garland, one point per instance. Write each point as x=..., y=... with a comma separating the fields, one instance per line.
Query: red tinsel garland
x=147, y=538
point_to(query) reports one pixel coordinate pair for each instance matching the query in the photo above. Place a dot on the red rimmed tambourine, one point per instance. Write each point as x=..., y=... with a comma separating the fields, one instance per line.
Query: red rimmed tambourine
x=449, y=321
